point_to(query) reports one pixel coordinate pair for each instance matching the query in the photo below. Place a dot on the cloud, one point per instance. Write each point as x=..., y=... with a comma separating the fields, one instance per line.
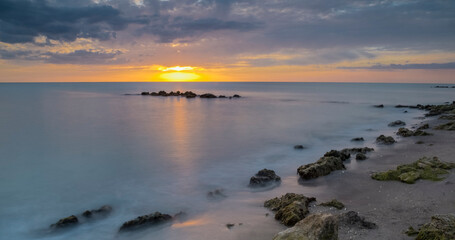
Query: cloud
x=449, y=65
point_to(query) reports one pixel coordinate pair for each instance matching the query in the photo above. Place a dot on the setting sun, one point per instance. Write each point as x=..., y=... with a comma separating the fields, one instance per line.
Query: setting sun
x=179, y=76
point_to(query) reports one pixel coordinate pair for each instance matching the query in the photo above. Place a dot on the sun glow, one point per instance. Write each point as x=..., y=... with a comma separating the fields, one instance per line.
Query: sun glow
x=179, y=76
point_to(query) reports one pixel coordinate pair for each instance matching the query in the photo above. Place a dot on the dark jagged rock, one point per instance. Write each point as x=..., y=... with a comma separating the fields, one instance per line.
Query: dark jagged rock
x=343, y=155
x=379, y=106
x=104, y=210
x=396, y=123
x=360, y=156
x=358, y=139
x=299, y=147
x=385, y=140
x=363, y=150
x=441, y=227
x=66, y=222
x=322, y=167
x=290, y=208
x=145, y=221
x=334, y=203
x=450, y=126
x=352, y=218
x=264, y=177
x=320, y=226
x=207, y=95
x=424, y=168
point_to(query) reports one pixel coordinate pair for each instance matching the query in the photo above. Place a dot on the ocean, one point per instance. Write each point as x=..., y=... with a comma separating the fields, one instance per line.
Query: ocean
x=69, y=147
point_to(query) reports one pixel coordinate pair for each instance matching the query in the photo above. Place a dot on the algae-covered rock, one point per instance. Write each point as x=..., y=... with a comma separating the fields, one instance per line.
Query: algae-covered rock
x=334, y=203
x=321, y=226
x=66, y=222
x=421, y=133
x=264, y=177
x=290, y=208
x=145, y=221
x=411, y=232
x=322, y=167
x=425, y=126
x=396, y=123
x=385, y=140
x=404, y=132
x=447, y=117
x=424, y=168
x=339, y=154
x=102, y=211
x=360, y=156
x=441, y=227
x=450, y=126
x=363, y=150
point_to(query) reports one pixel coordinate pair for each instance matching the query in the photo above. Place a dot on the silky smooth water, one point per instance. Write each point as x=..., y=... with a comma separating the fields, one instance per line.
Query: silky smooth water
x=68, y=147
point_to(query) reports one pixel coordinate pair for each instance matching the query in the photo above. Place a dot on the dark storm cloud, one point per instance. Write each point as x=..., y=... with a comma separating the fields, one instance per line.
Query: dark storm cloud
x=450, y=65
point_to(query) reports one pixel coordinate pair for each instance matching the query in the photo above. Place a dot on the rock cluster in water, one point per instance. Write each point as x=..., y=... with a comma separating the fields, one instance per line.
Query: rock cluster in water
x=404, y=132
x=424, y=168
x=145, y=221
x=73, y=220
x=187, y=94
x=433, y=110
x=450, y=126
x=290, y=208
x=263, y=178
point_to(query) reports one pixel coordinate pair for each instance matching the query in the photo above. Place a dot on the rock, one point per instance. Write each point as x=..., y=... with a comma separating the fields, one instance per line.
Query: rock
x=189, y=94
x=425, y=126
x=145, y=221
x=424, y=168
x=450, y=126
x=66, y=222
x=236, y=96
x=420, y=142
x=221, y=96
x=230, y=225
x=216, y=194
x=352, y=218
x=447, y=117
x=411, y=232
x=207, y=95
x=363, y=150
x=290, y=208
x=357, y=139
x=263, y=178
x=322, y=167
x=421, y=133
x=441, y=227
x=396, y=123
x=343, y=155
x=163, y=93
x=299, y=147
x=321, y=226
x=360, y=156
x=404, y=132
x=379, y=106
x=385, y=140
x=334, y=203
x=104, y=210
x=145, y=93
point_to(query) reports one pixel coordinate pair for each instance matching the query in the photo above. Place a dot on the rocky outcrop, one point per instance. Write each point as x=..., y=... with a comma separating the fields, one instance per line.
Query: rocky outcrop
x=352, y=218
x=385, y=140
x=404, y=132
x=424, y=126
x=322, y=167
x=263, y=178
x=450, y=126
x=343, y=154
x=441, y=227
x=187, y=94
x=145, y=221
x=290, y=208
x=424, y=168
x=396, y=123
x=102, y=211
x=334, y=203
x=360, y=156
x=314, y=227
x=66, y=222
x=357, y=139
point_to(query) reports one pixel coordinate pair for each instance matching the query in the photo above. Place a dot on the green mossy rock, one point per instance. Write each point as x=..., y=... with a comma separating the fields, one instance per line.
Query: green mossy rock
x=450, y=126
x=411, y=232
x=441, y=227
x=424, y=168
x=334, y=203
x=314, y=227
x=290, y=208
x=404, y=132
x=322, y=167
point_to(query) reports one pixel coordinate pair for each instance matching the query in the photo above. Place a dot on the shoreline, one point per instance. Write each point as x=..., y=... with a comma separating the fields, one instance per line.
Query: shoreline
x=394, y=206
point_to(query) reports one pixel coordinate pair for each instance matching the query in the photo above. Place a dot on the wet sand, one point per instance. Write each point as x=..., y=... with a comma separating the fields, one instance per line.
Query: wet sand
x=392, y=205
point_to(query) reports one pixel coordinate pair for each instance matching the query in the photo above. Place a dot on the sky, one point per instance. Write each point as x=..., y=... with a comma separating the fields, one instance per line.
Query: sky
x=227, y=40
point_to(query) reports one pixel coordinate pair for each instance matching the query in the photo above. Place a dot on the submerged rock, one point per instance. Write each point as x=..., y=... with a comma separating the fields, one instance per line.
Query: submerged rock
x=322, y=167
x=334, y=203
x=441, y=227
x=207, y=95
x=290, y=208
x=363, y=150
x=385, y=140
x=396, y=123
x=352, y=218
x=299, y=147
x=450, y=126
x=358, y=139
x=263, y=178
x=145, y=221
x=379, y=106
x=424, y=168
x=360, y=156
x=66, y=222
x=216, y=194
x=104, y=210
x=321, y=226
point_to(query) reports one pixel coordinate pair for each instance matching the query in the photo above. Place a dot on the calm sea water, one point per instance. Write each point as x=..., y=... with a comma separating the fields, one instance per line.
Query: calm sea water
x=68, y=147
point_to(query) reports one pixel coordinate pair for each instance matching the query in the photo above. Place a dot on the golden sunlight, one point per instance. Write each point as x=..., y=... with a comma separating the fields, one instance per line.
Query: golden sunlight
x=179, y=76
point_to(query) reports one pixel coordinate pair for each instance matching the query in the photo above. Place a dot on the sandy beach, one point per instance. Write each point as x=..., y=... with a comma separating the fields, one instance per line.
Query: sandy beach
x=392, y=205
